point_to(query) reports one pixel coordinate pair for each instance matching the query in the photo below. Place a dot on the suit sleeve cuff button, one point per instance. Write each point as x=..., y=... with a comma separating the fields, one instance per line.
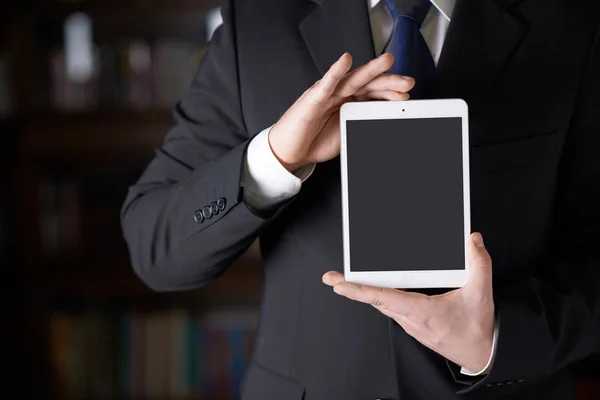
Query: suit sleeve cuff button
x=198, y=217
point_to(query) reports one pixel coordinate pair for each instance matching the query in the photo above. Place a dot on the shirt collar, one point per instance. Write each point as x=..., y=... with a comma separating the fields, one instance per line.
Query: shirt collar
x=444, y=6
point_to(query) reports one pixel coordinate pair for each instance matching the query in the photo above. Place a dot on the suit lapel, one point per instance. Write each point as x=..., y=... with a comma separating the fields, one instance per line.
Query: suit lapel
x=480, y=41
x=333, y=27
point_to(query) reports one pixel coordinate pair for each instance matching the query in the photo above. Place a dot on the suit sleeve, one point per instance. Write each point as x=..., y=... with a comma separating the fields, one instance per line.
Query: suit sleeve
x=172, y=246
x=551, y=319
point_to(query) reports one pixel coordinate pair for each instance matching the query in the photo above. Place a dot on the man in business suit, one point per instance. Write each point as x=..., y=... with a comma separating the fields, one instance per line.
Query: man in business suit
x=234, y=169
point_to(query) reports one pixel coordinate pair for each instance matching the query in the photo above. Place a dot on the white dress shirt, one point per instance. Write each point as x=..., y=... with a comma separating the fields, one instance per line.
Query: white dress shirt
x=267, y=183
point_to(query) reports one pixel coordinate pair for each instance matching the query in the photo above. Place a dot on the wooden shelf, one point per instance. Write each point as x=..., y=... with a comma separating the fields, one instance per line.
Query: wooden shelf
x=119, y=280
x=124, y=283
x=153, y=18
x=79, y=136
x=114, y=7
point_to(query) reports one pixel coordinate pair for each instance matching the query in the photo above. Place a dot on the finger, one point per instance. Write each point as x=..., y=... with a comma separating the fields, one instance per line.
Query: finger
x=364, y=74
x=389, y=95
x=332, y=278
x=393, y=82
x=324, y=88
x=480, y=266
x=400, y=302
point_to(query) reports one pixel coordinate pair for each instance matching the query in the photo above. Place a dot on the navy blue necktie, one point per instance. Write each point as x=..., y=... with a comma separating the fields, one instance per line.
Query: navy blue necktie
x=412, y=56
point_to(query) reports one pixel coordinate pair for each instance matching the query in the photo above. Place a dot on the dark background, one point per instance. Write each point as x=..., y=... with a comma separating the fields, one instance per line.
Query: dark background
x=411, y=168
x=77, y=323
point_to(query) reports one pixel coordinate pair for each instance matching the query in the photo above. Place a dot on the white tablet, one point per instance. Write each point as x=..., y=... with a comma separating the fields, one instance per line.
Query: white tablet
x=405, y=193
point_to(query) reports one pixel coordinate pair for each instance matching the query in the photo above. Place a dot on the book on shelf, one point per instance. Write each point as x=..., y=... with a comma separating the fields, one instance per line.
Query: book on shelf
x=81, y=356
x=69, y=94
x=75, y=66
x=60, y=219
x=134, y=73
x=139, y=72
x=162, y=354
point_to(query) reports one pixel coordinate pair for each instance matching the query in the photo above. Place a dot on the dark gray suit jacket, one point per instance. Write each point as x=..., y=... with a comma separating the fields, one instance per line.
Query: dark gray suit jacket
x=530, y=72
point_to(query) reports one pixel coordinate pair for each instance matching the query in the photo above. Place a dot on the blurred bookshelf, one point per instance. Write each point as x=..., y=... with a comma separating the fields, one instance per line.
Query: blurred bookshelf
x=76, y=128
x=87, y=90
x=122, y=134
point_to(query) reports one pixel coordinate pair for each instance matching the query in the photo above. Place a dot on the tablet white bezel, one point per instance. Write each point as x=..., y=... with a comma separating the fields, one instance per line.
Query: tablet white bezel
x=403, y=110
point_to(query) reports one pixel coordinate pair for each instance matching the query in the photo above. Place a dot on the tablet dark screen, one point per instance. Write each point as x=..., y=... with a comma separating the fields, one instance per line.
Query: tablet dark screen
x=405, y=194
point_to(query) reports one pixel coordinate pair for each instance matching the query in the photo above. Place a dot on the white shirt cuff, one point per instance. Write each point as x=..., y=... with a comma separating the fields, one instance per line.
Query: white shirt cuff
x=490, y=362
x=266, y=182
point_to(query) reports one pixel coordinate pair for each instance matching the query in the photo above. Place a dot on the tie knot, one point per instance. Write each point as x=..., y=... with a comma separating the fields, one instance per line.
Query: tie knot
x=414, y=9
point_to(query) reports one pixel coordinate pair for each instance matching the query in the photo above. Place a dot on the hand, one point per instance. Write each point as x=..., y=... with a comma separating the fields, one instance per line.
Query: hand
x=309, y=132
x=459, y=324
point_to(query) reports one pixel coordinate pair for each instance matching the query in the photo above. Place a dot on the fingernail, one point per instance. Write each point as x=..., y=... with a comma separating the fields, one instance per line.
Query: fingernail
x=327, y=279
x=478, y=239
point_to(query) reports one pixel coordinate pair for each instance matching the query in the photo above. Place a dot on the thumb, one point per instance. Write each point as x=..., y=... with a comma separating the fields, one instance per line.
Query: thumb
x=480, y=266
